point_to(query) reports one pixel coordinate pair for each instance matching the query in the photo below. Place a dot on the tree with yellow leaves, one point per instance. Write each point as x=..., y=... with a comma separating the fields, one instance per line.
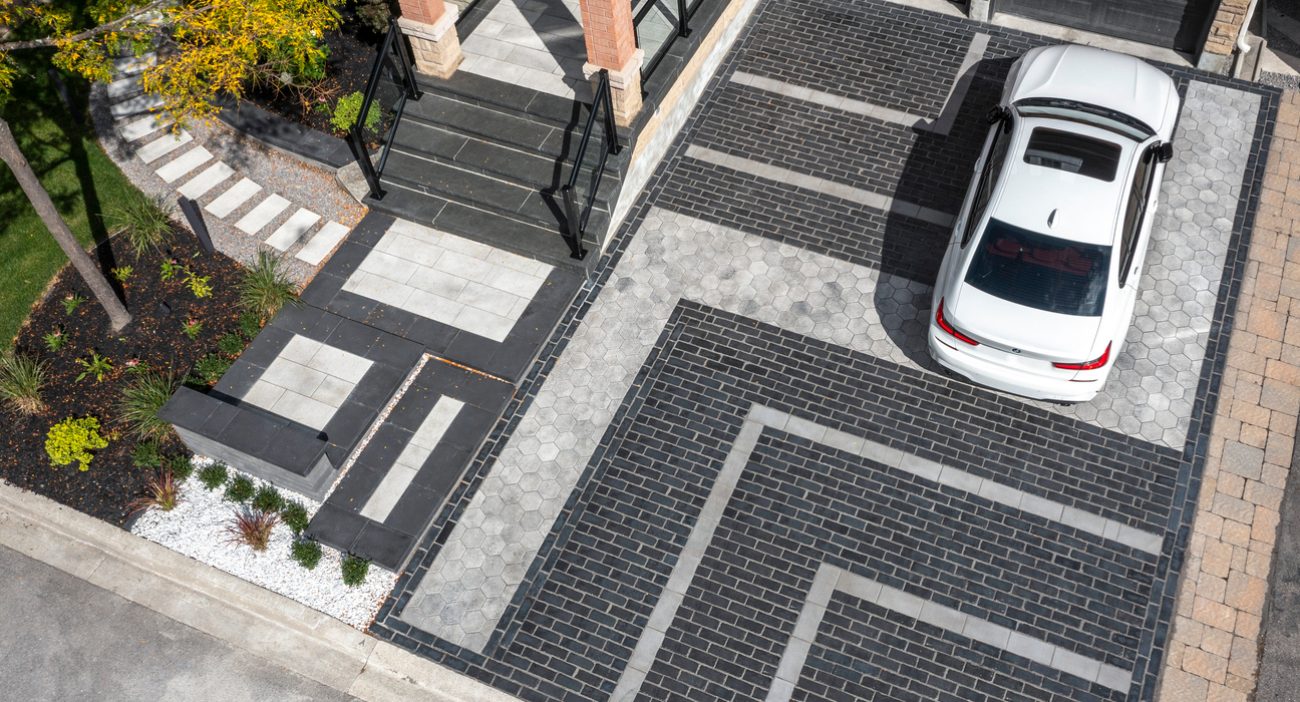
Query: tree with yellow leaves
x=204, y=48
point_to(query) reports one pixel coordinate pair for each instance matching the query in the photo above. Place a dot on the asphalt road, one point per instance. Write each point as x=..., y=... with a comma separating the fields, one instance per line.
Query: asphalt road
x=65, y=639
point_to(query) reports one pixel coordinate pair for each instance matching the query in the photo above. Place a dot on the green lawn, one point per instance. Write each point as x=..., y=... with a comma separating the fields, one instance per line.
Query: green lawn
x=60, y=144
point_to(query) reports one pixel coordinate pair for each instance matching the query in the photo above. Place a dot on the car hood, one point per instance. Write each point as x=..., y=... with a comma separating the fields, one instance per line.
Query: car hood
x=1098, y=77
x=1036, y=333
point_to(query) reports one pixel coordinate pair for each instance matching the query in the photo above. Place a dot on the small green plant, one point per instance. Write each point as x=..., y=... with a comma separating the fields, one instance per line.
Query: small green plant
x=142, y=220
x=180, y=465
x=55, y=340
x=346, y=111
x=135, y=366
x=240, y=490
x=123, y=273
x=267, y=499
x=214, y=476
x=169, y=269
x=374, y=14
x=21, y=380
x=231, y=344
x=250, y=324
x=355, y=569
x=72, y=441
x=71, y=302
x=295, y=517
x=146, y=454
x=192, y=328
x=266, y=287
x=141, y=401
x=198, y=284
x=253, y=528
x=161, y=492
x=210, y=368
x=296, y=67
x=97, y=366
x=306, y=552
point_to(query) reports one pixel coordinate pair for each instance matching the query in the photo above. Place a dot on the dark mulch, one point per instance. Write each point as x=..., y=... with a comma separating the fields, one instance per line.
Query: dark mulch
x=154, y=337
x=352, y=54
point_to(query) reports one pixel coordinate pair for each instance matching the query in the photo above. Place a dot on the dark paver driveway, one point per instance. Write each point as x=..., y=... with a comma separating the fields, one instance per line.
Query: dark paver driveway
x=736, y=475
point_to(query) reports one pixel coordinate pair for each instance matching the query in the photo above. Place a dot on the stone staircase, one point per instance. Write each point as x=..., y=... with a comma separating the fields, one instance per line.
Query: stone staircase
x=486, y=160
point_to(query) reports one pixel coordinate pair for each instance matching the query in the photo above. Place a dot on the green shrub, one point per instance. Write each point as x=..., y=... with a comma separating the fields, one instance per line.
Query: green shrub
x=146, y=454
x=240, y=490
x=346, y=111
x=141, y=401
x=250, y=324
x=295, y=517
x=21, y=380
x=169, y=269
x=198, y=284
x=355, y=569
x=180, y=465
x=214, y=476
x=306, y=552
x=192, y=328
x=71, y=303
x=374, y=14
x=231, y=344
x=122, y=274
x=302, y=64
x=210, y=368
x=96, y=365
x=55, y=340
x=253, y=528
x=266, y=287
x=72, y=440
x=267, y=499
x=142, y=220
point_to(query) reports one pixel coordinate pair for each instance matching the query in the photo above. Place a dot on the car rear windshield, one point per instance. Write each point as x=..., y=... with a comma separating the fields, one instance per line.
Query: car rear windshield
x=1073, y=153
x=1039, y=271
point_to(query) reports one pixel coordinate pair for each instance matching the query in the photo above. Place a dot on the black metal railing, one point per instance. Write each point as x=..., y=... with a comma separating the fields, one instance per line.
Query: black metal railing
x=577, y=207
x=657, y=25
x=391, y=84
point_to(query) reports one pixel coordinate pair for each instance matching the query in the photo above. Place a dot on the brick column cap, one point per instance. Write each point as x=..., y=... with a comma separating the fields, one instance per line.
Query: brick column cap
x=432, y=32
x=620, y=78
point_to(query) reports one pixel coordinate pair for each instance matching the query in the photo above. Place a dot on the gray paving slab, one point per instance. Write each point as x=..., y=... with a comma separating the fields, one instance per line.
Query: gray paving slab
x=174, y=169
x=232, y=198
x=163, y=145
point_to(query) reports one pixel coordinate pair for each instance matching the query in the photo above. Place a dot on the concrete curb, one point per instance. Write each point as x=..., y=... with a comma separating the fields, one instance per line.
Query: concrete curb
x=246, y=616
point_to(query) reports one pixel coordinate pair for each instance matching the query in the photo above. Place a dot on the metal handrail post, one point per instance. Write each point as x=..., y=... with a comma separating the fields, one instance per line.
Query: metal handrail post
x=358, y=145
x=683, y=30
x=611, y=126
x=573, y=225
x=404, y=57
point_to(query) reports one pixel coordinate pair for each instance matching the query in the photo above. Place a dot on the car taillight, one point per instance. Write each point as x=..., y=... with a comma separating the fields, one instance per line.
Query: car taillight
x=944, y=325
x=1089, y=365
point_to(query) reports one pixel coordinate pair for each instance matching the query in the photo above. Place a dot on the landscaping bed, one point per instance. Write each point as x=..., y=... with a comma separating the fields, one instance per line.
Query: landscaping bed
x=156, y=340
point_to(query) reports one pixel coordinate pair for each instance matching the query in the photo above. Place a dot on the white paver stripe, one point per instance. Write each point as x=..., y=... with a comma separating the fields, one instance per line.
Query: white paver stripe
x=163, y=145
x=211, y=177
x=877, y=201
x=184, y=163
x=322, y=243
x=232, y=199
x=136, y=105
x=123, y=86
x=133, y=64
x=144, y=126
x=293, y=229
x=420, y=446
x=260, y=216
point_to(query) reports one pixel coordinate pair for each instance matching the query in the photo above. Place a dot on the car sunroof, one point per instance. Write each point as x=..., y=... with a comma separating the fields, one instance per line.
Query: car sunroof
x=1073, y=153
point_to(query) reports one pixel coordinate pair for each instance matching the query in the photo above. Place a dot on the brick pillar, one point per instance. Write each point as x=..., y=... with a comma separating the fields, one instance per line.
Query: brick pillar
x=611, y=45
x=1229, y=21
x=431, y=27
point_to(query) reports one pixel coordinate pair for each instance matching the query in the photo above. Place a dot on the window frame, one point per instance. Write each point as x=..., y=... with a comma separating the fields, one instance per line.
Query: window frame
x=988, y=180
x=1135, y=211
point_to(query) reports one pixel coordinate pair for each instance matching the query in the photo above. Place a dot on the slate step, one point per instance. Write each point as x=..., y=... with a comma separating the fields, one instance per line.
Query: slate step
x=506, y=97
x=539, y=173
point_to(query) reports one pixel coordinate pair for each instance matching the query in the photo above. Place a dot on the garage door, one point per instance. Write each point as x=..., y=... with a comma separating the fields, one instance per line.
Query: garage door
x=1177, y=24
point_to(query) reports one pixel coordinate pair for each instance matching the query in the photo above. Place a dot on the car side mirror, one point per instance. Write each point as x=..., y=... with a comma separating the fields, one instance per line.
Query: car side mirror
x=995, y=115
x=1165, y=152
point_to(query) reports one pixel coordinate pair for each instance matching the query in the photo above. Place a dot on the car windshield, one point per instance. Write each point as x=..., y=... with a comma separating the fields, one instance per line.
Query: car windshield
x=1040, y=271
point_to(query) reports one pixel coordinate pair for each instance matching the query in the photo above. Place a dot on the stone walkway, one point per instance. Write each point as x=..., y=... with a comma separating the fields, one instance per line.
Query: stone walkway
x=537, y=44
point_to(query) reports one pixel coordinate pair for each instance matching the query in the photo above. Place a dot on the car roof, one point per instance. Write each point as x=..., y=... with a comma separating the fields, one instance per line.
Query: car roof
x=1098, y=77
x=1080, y=208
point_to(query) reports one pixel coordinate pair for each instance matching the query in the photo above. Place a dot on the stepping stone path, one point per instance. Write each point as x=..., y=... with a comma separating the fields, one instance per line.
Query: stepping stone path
x=179, y=161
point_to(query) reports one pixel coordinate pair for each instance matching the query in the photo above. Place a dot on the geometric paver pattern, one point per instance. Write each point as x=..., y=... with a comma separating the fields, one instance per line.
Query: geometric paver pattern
x=533, y=43
x=636, y=528
x=449, y=279
x=308, y=382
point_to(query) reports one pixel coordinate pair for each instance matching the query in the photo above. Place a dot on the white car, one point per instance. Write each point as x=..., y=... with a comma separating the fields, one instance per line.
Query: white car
x=1036, y=290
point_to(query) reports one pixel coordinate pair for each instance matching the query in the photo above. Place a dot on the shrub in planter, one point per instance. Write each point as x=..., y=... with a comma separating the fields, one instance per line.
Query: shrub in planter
x=295, y=517
x=250, y=324
x=161, y=492
x=267, y=499
x=374, y=14
x=252, y=528
x=180, y=466
x=355, y=569
x=21, y=379
x=240, y=490
x=142, y=220
x=346, y=111
x=266, y=287
x=146, y=454
x=299, y=65
x=141, y=400
x=209, y=369
x=214, y=476
x=231, y=344
x=306, y=552
x=72, y=440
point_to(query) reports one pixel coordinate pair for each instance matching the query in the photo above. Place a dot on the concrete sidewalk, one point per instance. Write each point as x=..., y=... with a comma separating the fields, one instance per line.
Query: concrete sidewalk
x=254, y=623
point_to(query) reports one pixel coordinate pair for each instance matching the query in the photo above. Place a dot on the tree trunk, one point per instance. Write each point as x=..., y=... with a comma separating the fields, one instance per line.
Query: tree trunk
x=12, y=155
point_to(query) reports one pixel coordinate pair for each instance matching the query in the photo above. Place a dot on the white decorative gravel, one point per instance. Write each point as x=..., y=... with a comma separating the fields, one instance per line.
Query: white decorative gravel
x=197, y=527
